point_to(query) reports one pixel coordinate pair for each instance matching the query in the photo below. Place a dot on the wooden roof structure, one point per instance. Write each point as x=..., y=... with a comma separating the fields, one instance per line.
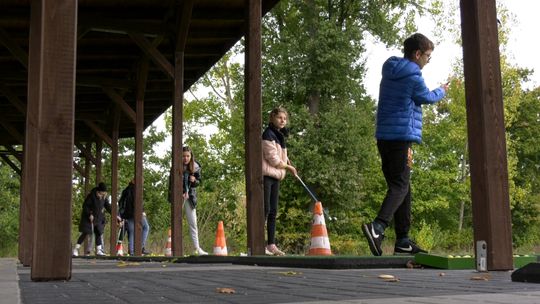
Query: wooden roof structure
x=112, y=37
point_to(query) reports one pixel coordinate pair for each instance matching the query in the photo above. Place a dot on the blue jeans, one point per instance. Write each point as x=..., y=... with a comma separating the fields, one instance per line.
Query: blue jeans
x=130, y=223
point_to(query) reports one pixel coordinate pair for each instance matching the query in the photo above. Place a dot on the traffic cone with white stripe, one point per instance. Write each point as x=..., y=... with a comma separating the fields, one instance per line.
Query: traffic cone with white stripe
x=119, y=249
x=220, y=246
x=320, y=244
x=168, y=249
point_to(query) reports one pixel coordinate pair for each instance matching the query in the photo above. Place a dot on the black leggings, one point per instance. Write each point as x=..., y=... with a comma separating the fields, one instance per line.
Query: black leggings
x=271, y=197
x=97, y=235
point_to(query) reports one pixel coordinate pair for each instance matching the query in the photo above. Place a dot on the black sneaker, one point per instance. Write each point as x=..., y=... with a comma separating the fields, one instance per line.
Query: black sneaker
x=374, y=238
x=409, y=249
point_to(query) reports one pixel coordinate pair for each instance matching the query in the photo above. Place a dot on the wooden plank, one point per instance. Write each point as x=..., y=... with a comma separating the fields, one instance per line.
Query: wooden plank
x=486, y=131
x=183, y=27
x=152, y=52
x=14, y=48
x=13, y=99
x=119, y=100
x=99, y=132
x=252, y=129
x=139, y=129
x=51, y=259
x=176, y=172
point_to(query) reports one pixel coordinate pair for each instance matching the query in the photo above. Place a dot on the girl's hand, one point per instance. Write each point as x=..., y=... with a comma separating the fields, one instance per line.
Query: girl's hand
x=186, y=195
x=292, y=170
x=192, y=178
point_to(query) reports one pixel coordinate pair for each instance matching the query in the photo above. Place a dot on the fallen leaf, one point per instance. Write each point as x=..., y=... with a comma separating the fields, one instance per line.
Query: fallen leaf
x=391, y=280
x=290, y=273
x=442, y=274
x=479, y=278
x=386, y=276
x=225, y=290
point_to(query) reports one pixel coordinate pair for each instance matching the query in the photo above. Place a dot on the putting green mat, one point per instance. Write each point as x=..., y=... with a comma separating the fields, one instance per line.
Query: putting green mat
x=464, y=262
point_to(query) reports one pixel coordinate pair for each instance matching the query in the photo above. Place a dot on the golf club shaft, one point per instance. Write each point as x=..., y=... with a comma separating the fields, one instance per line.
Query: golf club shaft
x=307, y=189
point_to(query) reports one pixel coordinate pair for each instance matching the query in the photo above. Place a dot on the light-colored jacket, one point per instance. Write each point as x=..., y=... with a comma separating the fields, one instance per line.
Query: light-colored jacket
x=274, y=158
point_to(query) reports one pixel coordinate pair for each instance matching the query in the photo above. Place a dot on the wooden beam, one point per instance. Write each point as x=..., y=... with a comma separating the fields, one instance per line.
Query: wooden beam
x=119, y=100
x=11, y=164
x=13, y=99
x=51, y=258
x=176, y=150
x=252, y=129
x=17, y=154
x=15, y=50
x=99, y=132
x=99, y=148
x=12, y=131
x=153, y=53
x=87, y=153
x=114, y=180
x=183, y=27
x=142, y=79
x=78, y=168
x=486, y=132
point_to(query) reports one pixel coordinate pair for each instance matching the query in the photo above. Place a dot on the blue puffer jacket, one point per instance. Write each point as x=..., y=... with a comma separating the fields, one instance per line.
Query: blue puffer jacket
x=401, y=95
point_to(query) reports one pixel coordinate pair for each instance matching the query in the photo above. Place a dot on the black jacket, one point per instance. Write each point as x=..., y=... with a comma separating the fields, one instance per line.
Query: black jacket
x=94, y=206
x=188, y=186
x=126, y=204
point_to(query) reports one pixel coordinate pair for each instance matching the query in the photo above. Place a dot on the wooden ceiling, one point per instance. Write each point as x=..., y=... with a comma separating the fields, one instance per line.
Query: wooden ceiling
x=113, y=38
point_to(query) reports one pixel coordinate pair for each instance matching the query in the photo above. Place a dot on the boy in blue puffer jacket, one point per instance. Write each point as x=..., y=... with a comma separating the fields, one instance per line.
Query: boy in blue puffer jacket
x=399, y=124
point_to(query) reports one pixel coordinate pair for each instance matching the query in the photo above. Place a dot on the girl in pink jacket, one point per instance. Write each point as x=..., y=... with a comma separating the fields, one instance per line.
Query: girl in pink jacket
x=274, y=167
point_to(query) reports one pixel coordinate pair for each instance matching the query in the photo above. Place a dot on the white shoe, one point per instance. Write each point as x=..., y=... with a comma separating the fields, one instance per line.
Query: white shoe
x=199, y=251
x=99, y=251
x=75, y=252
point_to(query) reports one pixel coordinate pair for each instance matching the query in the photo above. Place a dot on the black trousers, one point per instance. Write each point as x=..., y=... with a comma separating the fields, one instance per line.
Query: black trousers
x=271, y=197
x=396, y=170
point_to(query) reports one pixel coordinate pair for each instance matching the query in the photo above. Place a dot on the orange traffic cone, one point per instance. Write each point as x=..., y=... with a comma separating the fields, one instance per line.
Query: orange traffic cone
x=220, y=246
x=320, y=244
x=119, y=249
x=168, y=249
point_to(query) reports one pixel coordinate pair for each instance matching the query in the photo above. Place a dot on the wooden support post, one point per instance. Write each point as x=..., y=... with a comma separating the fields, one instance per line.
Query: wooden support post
x=176, y=150
x=252, y=129
x=486, y=132
x=88, y=241
x=139, y=179
x=54, y=58
x=114, y=181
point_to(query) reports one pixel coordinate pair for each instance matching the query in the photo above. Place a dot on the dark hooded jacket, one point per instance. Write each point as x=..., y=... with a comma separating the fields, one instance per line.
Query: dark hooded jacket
x=94, y=206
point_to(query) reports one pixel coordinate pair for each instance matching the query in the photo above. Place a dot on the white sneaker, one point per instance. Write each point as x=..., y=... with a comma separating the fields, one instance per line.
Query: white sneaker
x=267, y=252
x=75, y=252
x=272, y=248
x=99, y=251
x=199, y=251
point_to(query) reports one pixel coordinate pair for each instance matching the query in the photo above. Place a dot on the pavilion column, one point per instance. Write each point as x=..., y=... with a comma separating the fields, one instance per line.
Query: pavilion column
x=114, y=182
x=252, y=129
x=52, y=99
x=176, y=150
x=139, y=181
x=486, y=132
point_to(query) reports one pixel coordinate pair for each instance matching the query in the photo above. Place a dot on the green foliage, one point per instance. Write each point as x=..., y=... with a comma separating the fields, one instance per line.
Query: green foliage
x=9, y=210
